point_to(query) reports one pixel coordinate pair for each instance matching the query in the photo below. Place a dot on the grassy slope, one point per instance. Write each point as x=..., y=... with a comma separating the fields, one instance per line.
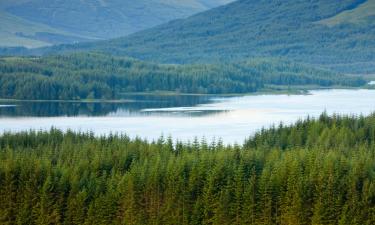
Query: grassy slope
x=359, y=15
x=106, y=18
x=10, y=25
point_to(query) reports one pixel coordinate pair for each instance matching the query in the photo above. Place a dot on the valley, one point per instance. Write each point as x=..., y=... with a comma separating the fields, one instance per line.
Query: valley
x=191, y=112
x=246, y=29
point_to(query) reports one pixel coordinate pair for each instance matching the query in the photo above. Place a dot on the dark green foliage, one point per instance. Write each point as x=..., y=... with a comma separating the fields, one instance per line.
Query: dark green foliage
x=97, y=76
x=326, y=132
x=314, y=172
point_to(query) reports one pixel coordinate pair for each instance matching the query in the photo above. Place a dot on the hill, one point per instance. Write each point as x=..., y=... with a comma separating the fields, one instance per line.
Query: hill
x=98, y=76
x=358, y=15
x=15, y=31
x=35, y=23
x=321, y=32
x=314, y=172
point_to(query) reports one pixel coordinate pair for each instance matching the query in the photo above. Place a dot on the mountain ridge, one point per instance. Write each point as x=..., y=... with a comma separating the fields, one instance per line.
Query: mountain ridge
x=245, y=29
x=89, y=20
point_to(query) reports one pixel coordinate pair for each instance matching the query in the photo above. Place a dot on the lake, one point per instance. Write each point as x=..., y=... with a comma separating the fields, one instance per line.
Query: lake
x=184, y=117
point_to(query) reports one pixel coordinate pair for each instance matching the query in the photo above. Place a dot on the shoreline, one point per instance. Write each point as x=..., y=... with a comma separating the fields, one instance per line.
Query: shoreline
x=266, y=91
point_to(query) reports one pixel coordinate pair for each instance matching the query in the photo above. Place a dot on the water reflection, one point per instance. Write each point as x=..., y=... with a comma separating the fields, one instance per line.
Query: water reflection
x=231, y=119
x=133, y=105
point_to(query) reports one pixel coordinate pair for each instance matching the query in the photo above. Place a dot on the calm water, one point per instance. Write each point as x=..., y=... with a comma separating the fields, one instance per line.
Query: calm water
x=184, y=117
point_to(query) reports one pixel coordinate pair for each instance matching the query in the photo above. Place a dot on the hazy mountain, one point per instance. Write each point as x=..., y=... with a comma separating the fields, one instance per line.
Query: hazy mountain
x=35, y=23
x=339, y=34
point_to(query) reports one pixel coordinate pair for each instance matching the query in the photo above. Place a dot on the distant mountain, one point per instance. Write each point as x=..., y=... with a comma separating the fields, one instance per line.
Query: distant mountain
x=339, y=34
x=35, y=23
x=15, y=31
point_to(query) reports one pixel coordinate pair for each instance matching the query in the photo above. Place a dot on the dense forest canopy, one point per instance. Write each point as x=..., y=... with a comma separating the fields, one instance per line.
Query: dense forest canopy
x=98, y=76
x=338, y=34
x=318, y=171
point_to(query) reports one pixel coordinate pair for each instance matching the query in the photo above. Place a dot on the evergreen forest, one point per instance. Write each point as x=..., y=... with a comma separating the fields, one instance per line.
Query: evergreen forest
x=97, y=76
x=317, y=171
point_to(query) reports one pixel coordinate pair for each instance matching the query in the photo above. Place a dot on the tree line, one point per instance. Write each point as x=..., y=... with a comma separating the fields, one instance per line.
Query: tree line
x=97, y=76
x=317, y=171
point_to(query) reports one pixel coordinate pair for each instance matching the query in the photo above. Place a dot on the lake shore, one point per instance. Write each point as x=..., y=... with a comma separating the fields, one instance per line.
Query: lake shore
x=232, y=118
x=270, y=90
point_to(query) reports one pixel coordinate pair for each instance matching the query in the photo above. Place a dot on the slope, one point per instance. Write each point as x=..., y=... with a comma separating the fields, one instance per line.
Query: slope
x=97, y=19
x=82, y=76
x=314, y=172
x=15, y=31
x=248, y=28
x=359, y=15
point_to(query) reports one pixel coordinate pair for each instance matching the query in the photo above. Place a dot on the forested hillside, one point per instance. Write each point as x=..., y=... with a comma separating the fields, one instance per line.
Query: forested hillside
x=339, y=34
x=97, y=76
x=35, y=23
x=314, y=172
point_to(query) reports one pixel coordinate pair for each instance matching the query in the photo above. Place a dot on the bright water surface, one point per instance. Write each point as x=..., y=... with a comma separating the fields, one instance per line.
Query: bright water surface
x=184, y=117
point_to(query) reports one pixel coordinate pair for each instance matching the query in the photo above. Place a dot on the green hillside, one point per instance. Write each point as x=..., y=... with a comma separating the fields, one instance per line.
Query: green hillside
x=314, y=172
x=35, y=23
x=10, y=25
x=363, y=14
x=96, y=76
x=246, y=28
x=15, y=31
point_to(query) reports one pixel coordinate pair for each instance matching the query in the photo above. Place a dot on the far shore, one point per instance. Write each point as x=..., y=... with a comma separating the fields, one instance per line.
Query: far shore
x=270, y=90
